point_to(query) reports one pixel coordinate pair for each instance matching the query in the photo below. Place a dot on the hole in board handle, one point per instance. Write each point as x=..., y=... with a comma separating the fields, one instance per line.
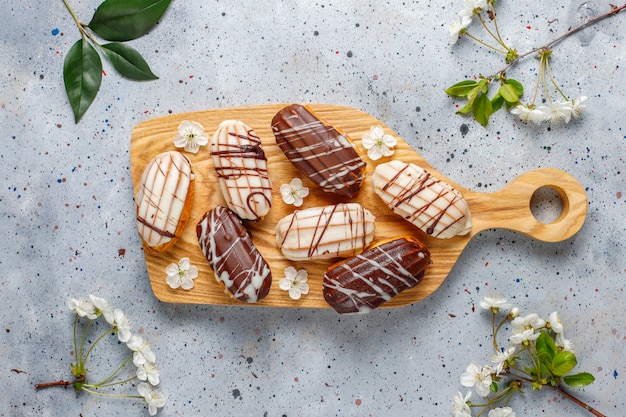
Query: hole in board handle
x=546, y=204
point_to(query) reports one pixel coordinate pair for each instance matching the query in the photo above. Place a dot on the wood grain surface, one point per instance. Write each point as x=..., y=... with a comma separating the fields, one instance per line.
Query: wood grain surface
x=508, y=208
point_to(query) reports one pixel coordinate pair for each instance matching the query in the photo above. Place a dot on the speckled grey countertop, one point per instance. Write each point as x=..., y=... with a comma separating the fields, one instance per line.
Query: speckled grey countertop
x=68, y=226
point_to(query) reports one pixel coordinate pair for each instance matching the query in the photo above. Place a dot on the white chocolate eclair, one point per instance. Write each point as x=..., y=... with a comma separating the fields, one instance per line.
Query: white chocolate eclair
x=163, y=202
x=241, y=168
x=432, y=205
x=332, y=231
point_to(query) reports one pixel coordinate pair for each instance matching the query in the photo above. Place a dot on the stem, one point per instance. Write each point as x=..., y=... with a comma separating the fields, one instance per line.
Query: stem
x=495, y=23
x=103, y=385
x=54, y=384
x=95, y=392
x=496, y=38
x=95, y=343
x=614, y=10
x=110, y=377
x=483, y=43
x=578, y=402
x=81, y=25
x=554, y=81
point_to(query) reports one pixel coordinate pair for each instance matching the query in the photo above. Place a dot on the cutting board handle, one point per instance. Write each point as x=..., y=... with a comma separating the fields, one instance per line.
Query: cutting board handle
x=510, y=208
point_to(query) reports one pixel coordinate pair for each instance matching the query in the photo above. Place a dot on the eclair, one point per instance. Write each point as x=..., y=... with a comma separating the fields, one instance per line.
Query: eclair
x=164, y=199
x=359, y=284
x=241, y=168
x=237, y=264
x=338, y=230
x=435, y=207
x=320, y=151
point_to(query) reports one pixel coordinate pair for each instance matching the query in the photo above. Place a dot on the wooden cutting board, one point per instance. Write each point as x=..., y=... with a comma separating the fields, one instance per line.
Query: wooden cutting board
x=508, y=208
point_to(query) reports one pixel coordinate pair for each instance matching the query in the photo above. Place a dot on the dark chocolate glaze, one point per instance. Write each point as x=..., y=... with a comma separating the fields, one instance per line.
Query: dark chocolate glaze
x=233, y=257
x=364, y=282
x=318, y=150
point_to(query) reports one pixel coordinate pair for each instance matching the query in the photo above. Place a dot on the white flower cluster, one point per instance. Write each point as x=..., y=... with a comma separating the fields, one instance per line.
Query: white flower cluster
x=524, y=329
x=464, y=18
x=556, y=112
x=143, y=356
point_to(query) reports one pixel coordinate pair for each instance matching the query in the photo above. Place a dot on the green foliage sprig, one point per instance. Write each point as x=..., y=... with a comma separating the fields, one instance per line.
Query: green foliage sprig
x=116, y=21
x=509, y=91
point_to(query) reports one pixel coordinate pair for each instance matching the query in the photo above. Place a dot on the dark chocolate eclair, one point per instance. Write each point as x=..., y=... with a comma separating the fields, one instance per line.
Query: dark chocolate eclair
x=359, y=284
x=318, y=150
x=235, y=260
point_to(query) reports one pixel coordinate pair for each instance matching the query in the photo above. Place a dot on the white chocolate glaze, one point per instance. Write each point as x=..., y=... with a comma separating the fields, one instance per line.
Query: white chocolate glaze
x=432, y=205
x=325, y=232
x=164, y=199
x=241, y=168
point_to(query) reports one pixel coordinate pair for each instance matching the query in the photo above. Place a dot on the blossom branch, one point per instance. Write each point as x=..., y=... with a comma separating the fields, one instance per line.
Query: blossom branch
x=614, y=11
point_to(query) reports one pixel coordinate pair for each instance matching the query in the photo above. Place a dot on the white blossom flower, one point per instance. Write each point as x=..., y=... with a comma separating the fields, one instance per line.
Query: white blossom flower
x=190, y=136
x=555, y=322
x=494, y=303
x=123, y=325
x=477, y=377
x=500, y=358
x=294, y=192
x=154, y=397
x=149, y=371
x=563, y=343
x=475, y=4
x=103, y=307
x=377, y=143
x=460, y=406
x=557, y=111
x=524, y=336
x=501, y=412
x=459, y=26
x=529, y=113
x=531, y=321
x=142, y=352
x=295, y=282
x=578, y=106
x=181, y=275
x=83, y=308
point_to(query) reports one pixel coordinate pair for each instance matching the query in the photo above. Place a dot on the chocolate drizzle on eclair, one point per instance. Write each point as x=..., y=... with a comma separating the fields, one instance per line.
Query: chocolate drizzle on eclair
x=318, y=150
x=241, y=168
x=365, y=281
x=235, y=260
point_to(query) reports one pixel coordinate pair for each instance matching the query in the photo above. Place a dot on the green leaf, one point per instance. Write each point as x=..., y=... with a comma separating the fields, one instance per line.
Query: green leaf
x=461, y=89
x=483, y=85
x=82, y=75
x=467, y=108
x=128, y=62
x=482, y=109
x=496, y=102
x=579, y=380
x=519, y=88
x=563, y=362
x=124, y=20
x=508, y=92
x=545, y=346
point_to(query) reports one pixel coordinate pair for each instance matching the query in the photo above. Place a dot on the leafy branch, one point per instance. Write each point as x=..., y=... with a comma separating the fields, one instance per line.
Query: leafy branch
x=116, y=21
x=510, y=91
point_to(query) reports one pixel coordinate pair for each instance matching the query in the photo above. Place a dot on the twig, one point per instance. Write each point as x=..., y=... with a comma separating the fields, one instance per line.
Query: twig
x=614, y=10
x=54, y=384
x=579, y=402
